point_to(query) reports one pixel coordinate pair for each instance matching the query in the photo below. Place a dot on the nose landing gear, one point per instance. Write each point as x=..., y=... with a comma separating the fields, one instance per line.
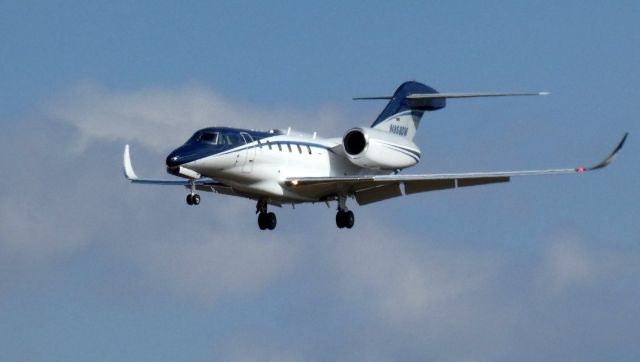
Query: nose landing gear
x=193, y=198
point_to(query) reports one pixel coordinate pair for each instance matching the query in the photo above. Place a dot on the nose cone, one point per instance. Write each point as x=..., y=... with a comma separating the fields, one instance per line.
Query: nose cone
x=174, y=159
x=187, y=153
x=182, y=155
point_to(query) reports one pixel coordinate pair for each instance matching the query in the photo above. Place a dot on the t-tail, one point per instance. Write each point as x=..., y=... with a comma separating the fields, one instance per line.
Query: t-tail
x=406, y=107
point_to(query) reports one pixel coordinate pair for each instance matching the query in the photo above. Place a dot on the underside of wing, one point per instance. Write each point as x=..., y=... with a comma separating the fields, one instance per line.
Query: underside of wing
x=368, y=189
x=377, y=188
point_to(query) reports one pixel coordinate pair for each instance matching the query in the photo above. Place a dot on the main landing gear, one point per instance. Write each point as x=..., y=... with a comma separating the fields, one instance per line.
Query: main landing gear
x=266, y=220
x=344, y=217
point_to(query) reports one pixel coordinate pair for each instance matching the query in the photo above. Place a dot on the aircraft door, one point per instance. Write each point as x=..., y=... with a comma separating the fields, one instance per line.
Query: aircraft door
x=249, y=153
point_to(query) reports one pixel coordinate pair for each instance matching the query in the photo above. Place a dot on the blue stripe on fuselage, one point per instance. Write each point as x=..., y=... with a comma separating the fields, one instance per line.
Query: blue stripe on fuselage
x=195, y=151
x=275, y=143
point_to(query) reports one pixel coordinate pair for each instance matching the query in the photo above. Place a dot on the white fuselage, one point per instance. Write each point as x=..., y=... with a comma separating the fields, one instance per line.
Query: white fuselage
x=260, y=168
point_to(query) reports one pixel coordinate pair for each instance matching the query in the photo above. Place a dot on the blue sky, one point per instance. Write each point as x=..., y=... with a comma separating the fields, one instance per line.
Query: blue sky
x=93, y=268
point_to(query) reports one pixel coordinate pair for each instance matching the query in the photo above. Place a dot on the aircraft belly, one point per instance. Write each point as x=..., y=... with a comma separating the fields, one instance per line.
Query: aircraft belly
x=269, y=170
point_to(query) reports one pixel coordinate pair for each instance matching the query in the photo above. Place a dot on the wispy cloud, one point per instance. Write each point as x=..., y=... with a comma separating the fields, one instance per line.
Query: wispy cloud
x=567, y=263
x=405, y=279
x=161, y=117
x=210, y=264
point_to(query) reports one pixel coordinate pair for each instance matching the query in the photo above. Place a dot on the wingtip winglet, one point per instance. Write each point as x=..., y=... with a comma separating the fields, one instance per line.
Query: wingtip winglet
x=128, y=167
x=609, y=159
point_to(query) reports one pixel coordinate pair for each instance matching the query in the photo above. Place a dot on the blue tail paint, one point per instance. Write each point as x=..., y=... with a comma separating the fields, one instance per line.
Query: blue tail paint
x=402, y=116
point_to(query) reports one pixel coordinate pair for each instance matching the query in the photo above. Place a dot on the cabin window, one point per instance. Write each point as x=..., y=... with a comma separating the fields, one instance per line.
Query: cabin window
x=279, y=147
x=269, y=144
x=309, y=149
x=209, y=137
x=299, y=149
x=259, y=143
x=289, y=146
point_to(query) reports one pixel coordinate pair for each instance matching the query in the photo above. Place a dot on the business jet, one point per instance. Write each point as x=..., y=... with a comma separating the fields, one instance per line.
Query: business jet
x=280, y=167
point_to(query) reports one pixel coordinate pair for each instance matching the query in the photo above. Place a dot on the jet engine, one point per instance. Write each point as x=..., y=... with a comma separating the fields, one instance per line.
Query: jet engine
x=376, y=149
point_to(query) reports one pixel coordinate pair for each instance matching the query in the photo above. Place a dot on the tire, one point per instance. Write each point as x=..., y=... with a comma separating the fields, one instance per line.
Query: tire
x=349, y=219
x=340, y=219
x=189, y=200
x=262, y=224
x=271, y=221
x=196, y=199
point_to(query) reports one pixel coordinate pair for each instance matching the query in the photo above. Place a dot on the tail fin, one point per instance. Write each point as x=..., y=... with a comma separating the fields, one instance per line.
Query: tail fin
x=402, y=114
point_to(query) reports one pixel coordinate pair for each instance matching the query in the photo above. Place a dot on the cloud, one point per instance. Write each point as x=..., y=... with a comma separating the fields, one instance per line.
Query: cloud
x=426, y=300
x=77, y=202
x=405, y=279
x=33, y=237
x=254, y=346
x=374, y=292
x=40, y=213
x=566, y=263
x=161, y=117
x=48, y=219
x=570, y=261
x=158, y=118
x=209, y=264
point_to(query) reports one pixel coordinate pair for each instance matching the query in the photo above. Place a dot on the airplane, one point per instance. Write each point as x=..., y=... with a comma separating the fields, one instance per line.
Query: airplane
x=279, y=167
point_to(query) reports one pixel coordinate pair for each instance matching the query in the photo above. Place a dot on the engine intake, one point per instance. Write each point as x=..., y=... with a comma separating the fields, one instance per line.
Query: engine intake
x=355, y=141
x=376, y=149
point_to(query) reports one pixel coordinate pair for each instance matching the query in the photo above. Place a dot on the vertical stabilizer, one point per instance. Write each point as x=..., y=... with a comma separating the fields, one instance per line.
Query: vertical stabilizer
x=402, y=115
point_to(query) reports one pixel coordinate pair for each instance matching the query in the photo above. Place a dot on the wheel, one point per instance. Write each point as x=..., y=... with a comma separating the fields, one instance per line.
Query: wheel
x=349, y=219
x=271, y=221
x=262, y=224
x=189, y=200
x=196, y=199
x=340, y=219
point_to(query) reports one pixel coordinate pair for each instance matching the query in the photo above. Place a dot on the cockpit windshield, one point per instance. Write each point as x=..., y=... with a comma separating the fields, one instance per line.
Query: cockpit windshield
x=222, y=137
x=209, y=137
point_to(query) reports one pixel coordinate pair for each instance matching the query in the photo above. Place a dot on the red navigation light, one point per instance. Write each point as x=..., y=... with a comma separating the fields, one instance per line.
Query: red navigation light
x=580, y=169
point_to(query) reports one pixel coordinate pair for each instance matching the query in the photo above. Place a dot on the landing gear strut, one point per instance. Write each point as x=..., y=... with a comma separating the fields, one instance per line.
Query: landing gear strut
x=266, y=220
x=344, y=217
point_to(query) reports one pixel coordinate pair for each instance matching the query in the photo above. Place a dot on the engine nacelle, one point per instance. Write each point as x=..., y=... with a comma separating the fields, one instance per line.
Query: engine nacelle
x=375, y=149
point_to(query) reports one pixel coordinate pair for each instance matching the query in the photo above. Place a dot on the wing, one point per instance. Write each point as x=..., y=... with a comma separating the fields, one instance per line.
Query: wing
x=200, y=184
x=368, y=189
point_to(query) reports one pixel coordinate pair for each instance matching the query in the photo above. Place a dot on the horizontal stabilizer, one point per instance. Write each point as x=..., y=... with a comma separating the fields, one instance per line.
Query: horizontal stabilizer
x=473, y=95
x=456, y=95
